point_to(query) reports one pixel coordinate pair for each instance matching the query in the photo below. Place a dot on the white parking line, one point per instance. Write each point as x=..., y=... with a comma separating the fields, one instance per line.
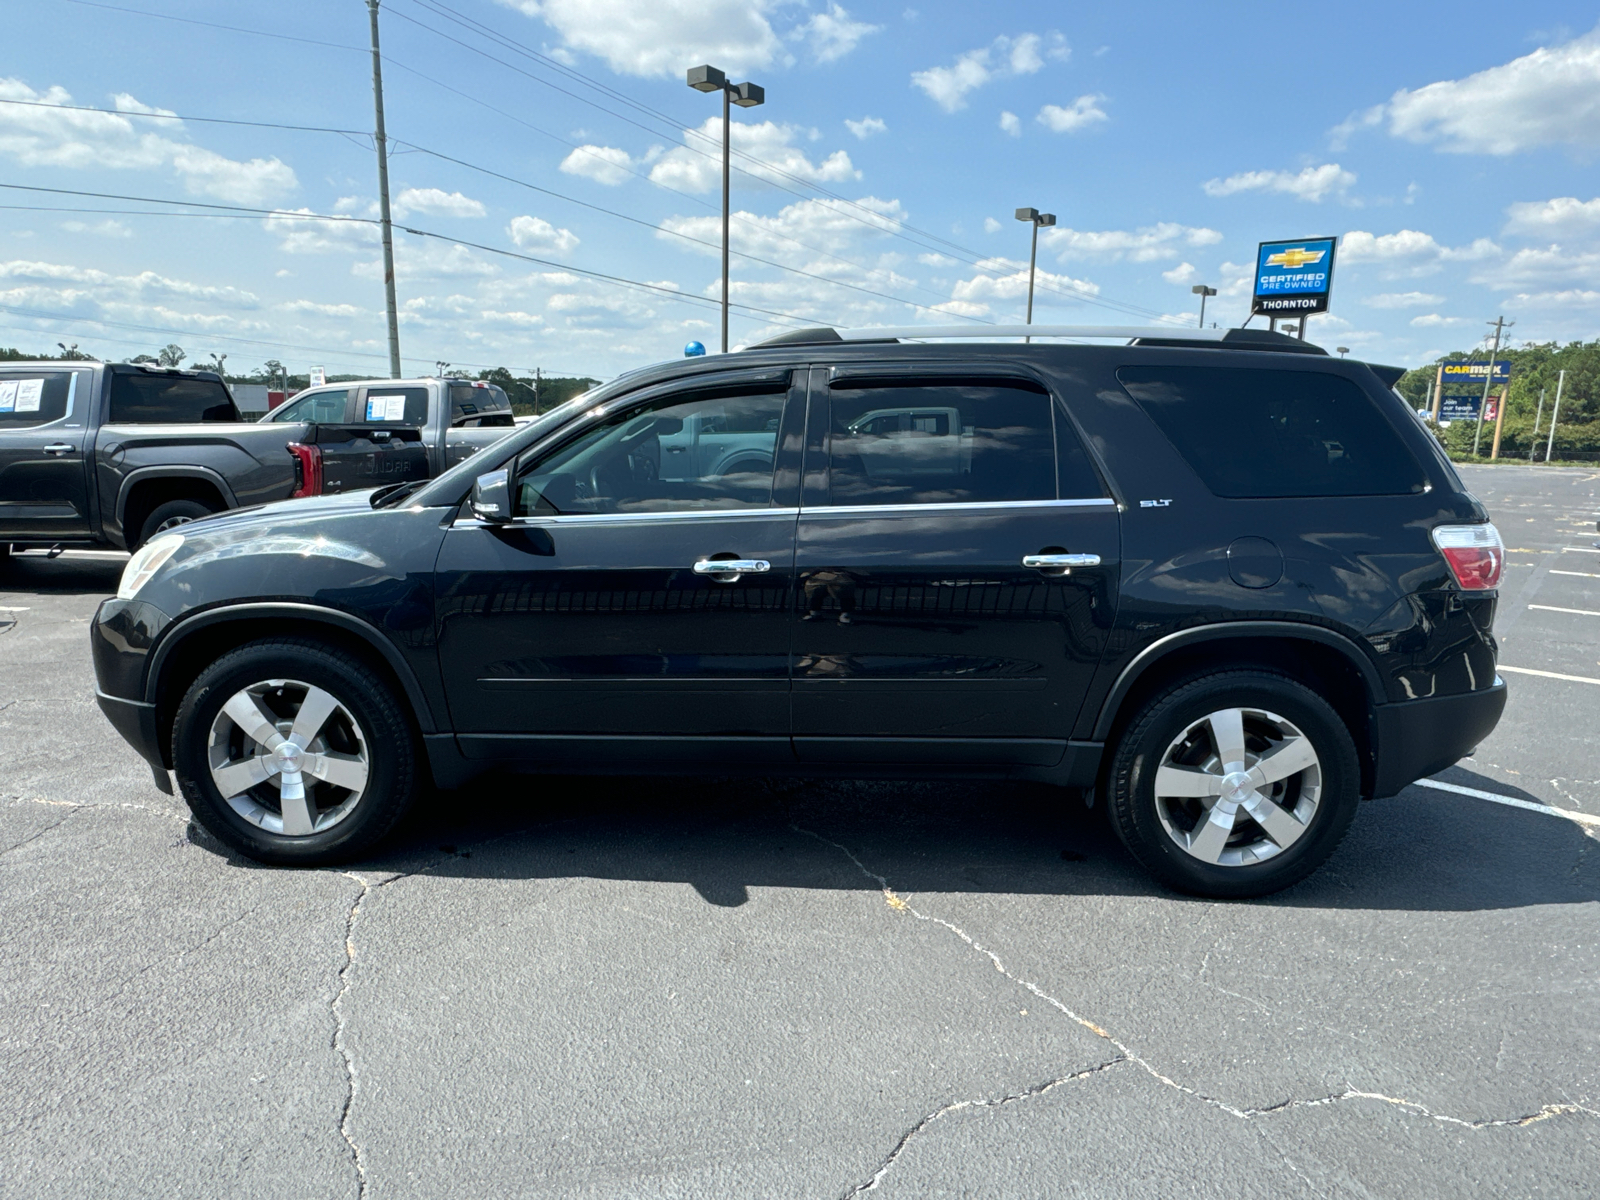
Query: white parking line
x=1580, y=549
x=3, y=609
x=1580, y=574
x=1547, y=674
x=1577, y=612
x=1582, y=818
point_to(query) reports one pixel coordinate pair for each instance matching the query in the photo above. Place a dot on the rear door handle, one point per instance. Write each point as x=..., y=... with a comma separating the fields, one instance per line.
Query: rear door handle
x=731, y=567
x=58, y=449
x=1047, y=561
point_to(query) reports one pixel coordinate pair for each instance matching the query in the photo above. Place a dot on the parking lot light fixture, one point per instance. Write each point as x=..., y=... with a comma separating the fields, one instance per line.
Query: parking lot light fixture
x=1203, y=291
x=1037, y=219
x=745, y=95
x=1343, y=350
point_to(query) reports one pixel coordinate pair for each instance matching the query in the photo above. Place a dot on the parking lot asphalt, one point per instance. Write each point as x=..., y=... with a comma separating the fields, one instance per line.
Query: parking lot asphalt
x=734, y=988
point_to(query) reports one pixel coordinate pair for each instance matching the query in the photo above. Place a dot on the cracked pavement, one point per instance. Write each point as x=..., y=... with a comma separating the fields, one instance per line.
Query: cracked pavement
x=667, y=988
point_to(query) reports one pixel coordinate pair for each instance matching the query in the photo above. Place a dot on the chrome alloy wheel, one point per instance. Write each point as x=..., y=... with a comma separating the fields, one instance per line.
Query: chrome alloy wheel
x=288, y=757
x=1238, y=786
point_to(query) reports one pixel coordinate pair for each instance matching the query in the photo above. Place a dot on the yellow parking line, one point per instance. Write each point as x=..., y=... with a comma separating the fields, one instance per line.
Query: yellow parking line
x=1548, y=674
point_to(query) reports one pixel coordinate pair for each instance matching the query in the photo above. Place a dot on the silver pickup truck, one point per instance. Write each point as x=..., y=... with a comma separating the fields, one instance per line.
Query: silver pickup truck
x=109, y=454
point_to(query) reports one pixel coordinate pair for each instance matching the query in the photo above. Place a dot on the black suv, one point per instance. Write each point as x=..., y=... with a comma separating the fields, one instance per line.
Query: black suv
x=1223, y=582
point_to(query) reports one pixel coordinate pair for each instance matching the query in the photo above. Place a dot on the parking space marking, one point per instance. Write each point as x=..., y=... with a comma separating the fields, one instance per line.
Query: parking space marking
x=1547, y=674
x=1582, y=818
x=1580, y=549
x=1579, y=574
x=5, y=609
x=1578, y=612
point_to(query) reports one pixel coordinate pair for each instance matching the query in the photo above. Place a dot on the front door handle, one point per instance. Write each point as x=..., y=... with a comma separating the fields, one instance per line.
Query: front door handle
x=57, y=449
x=1057, y=561
x=727, y=569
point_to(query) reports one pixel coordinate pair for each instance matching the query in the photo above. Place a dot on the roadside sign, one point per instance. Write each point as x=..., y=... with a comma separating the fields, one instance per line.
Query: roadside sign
x=1461, y=389
x=319, y=376
x=1294, y=278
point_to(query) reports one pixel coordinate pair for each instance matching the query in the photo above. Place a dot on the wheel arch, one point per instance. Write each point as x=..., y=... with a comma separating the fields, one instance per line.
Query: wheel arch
x=197, y=641
x=1329, y=662
x=142, y=490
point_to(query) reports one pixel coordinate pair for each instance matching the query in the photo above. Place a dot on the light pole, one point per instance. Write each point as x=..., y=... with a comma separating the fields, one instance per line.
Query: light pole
x=1035, y=218
x=1343, y=350
x=745, y=95
x=1203, y=291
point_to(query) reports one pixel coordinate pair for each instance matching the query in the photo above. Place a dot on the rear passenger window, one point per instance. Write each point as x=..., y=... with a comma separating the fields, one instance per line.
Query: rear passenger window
x=940, y=443
x=169, y=400
x=1260, y=434
x=396, y=406
x=34, y=398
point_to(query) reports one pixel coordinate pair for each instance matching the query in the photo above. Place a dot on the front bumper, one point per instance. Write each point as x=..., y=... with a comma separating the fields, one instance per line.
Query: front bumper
x=136, y=722
x=1418, y=737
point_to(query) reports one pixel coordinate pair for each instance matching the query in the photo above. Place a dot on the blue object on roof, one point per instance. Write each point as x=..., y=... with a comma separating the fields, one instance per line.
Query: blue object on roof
x=693, y=350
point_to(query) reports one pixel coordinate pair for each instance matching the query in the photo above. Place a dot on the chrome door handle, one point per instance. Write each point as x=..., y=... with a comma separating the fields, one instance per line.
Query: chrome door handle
x=57, y=449
x=1061, y=560
x=731, y=566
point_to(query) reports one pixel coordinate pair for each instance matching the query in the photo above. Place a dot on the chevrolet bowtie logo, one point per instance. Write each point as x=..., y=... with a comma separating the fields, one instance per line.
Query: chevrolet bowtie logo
x=1295, y=258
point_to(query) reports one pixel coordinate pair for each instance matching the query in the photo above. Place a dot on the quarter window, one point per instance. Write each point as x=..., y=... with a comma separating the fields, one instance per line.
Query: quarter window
x=940, y=443
x=705, y=454
x=169, y=400
x=1269, y=434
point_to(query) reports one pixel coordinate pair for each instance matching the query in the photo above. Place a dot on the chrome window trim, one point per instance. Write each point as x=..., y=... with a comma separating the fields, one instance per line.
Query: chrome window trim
x=744, y=514
x=840, y=510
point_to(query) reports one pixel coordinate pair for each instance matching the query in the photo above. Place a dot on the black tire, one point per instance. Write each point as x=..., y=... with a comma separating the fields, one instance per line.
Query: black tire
x=169, y=516
x=391, y=783
x=1131, y=800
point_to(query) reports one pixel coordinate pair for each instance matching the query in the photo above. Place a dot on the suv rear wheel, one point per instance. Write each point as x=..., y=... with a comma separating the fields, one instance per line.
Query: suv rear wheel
x=1234, y=785
x=294, y=753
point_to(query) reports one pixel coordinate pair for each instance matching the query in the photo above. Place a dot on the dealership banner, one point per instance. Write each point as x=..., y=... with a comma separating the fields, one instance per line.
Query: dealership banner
x=1294, y=278
x=1461, y=388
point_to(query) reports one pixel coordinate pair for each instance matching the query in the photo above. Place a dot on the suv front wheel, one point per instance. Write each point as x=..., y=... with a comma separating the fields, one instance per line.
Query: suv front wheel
x=1234, y=785
x=294, y=753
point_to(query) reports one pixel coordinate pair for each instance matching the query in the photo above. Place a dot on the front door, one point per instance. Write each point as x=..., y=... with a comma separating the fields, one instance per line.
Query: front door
x=956, y=566
x=44, y=478
x=598, y=626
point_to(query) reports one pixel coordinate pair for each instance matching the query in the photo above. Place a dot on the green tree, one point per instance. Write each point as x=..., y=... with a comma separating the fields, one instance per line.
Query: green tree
x=171, y=356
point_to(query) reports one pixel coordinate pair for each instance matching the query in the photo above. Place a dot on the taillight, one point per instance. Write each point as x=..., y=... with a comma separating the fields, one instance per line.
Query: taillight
x=1475, y=553
x=307, y=470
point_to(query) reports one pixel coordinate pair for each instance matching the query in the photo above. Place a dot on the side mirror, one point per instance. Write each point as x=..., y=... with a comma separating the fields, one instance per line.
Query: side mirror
x=491, y=496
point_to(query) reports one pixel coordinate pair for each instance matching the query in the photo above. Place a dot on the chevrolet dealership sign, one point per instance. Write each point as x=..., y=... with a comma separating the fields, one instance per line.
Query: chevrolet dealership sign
x=1294, y=278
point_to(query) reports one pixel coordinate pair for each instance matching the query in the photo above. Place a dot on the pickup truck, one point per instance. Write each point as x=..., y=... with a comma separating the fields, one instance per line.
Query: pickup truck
x=110, y=454
x=376, y=432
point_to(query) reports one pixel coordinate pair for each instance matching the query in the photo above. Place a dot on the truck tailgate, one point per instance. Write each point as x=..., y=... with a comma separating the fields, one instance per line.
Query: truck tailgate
x=356, y=457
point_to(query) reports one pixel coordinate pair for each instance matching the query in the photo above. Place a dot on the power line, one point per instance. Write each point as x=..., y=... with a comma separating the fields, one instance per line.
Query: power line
x=166, y=116
x=285, y=37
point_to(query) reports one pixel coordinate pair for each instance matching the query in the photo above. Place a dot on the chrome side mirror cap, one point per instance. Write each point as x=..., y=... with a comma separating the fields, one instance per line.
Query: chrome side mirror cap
x=491, y=496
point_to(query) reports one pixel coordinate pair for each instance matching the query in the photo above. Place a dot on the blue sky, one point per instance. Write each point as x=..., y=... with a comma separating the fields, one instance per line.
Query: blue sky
x=1452, y=147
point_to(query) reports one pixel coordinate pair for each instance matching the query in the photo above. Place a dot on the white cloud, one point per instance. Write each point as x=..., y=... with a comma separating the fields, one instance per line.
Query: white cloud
x=531, y=233
x=664, y=37
x=698, y=166
x=434, y=202
x=1313, y=183
x=1409, y=251
x=1403, y=300
x=59, y=137
x=1435, y=321
x=603, y=164
x=1548, y=98
x=1011, y=123
x=1561, y=215
x=1083, y=113
x=1147, y=244
x=1582, y=298
x=1183, y=273
x=990, y=225
x=1004, y=58
x=798, y=232
x=1006, y=280
x=1543, y=269
x=832, y=34
x=866, y=127
x=312, y=235
x=107, y=228
x=419, y=260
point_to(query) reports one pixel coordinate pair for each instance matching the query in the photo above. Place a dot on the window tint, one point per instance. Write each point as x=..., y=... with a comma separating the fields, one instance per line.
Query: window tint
x=709, y=453
x=395, y=406
x=169, y=400
x=470, y=401
x=33, y=397
x=1275, y=433
x=322, y=408
x=940, y=444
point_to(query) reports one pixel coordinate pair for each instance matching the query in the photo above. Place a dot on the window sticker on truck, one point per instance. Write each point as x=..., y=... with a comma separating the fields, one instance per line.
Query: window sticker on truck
x=386, y=408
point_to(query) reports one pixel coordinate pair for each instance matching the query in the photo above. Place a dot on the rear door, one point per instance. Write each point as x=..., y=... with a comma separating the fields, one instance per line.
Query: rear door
x=937, y=618
x=44, y=478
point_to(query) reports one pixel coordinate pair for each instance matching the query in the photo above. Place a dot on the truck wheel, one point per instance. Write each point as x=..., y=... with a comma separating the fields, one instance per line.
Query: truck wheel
x=1234, y=785
x=169, y=516
x=294, y=753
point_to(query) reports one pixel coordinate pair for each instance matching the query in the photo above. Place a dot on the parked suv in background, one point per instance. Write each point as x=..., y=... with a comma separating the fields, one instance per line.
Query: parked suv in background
x=1222, y=582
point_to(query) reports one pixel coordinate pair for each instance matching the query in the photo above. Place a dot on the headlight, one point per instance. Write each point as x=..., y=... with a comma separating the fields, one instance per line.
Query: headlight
x=147, y=560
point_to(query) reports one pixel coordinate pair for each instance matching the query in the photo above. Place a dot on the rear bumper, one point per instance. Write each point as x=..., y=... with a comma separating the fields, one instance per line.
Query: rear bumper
x=136, y=722
x=1418, y=737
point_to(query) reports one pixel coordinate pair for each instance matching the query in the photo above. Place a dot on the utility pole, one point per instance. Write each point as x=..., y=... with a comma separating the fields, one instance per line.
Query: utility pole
x=1555, y=415
x=1533, y=442
x=1438, y=393
x=383, y=197
x=1500, y=325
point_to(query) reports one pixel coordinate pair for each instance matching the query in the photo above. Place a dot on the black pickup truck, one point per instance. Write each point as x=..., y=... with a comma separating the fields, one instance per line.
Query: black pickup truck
x=107, y=455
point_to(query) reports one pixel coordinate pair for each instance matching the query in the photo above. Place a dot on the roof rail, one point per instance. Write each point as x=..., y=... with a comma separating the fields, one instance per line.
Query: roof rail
x=1139, y=335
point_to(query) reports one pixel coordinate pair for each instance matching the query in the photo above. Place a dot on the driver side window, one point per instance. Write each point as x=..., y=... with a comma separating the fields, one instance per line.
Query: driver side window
x=711, y=453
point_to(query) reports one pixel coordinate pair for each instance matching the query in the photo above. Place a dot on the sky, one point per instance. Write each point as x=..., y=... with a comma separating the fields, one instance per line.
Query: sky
x=556, y=185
